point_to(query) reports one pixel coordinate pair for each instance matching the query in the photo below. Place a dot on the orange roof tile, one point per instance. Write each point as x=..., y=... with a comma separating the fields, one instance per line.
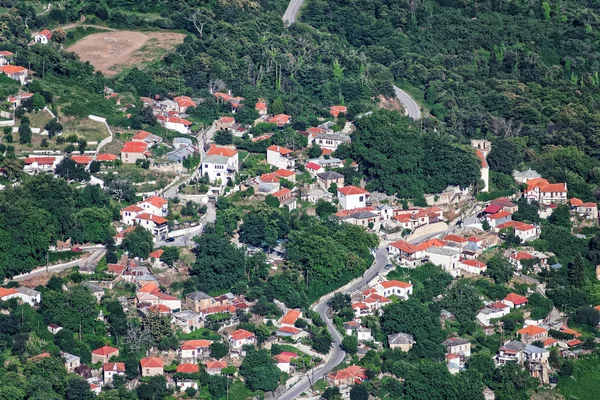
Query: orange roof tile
x=105, y=351
x=289, y=329
x=516, y=299
x=221, y=151
x=291, y=317
x=156, y=201
x=134, y=147
x=156, y=254
x=6, y=292
x=216, y=365
x=404, y=246
x=394, y=283
x=116, y=366
x=554, y=187
x=188, y=368
x=152, y=362
x=282, y=193
x=281, y=150
x=484, y=163
x=549, y=342
x=175, y=120
x=474, y=263
x=148, y=288
x=531, y=330
x=82, y=160
x=517, y=225
x=195, y=344
x=240, y=334
x=575, y=202
x=284, y=173
x=521, y=255
x=133, y=208
x=455, y=239
x=12, y=69
x=498, y=215
x=313, y=166
x=574, y=342
x=151, y=217
x=184, y=101
x=159, y=308
x=352, y=190
x=106, y=157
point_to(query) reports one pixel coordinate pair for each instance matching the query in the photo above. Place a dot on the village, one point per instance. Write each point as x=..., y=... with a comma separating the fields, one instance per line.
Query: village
x=454, y=231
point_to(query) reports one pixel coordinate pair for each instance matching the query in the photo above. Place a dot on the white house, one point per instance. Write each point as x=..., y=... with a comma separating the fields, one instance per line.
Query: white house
x=43, y=37
x=71, y=361
x=354, y=327
x=472, y=266
x=175, y=124
x=241, y=337
x=29, y=296
x=522, y=230
x=220, y=164
x=352, y=197
x=110, y=370
x=155, y=205
x=15, y=72
x=193, y=350
x=331, y=141
x=394, y=288
x=485, y=172
x=448, y=259
x=499, y=218
x=459, y=346
x=129, y=213
x=6, y=57
x=492, y=311
x=280, y=157
x=545, y=192
x=156, y=225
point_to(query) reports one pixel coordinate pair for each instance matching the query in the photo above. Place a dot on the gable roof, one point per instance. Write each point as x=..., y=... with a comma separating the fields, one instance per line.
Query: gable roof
x=106, y=157
x=240, y=334
x=174, y=120
x=352, y=190
x=184, y=101
x=394, y=283
x=221, y=151
x=156, y=201
x=492, y=208
x=281, y=193
x=313, y=166
x=216, y=365
x=521, y=255
x=133, y=208
x=517, y=225
x=134, y=147
x=194, y=344
x=291, y=317
x=141, y=135
x=516, y=299
x=105, y=351
x=152, y=362
x=116, y=366
x=12, y=69
x=156, y=254
x=188, y=368
x=500, y=214
x=575, y=202
x=455, y=239
x=281, y=150
x=354, y=371
x=46, y=32
x=151, y=217
x=474, y=263
x=284, y=173
x=484, y=163
x=531, y=330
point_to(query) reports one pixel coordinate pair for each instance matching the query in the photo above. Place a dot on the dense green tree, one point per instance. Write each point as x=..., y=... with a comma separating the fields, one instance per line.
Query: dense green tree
x=324, y=208
x=586, y=315
x=24, y=134
x=71, y=171
x=412, y=317
x=350, y=344
x=499, y=269
x=223, y=137
x=218, y=350
x=74, y=310
x=219, y=264
x=339, y=301
x=138, y=242
x=576, y=271
x=53, y=127
x=504, y=157
x=561, y=216
x=79, y=389
x=92, y=225
x=359, y=392
x=259, y=370
x=321, y=342
x=170, y=255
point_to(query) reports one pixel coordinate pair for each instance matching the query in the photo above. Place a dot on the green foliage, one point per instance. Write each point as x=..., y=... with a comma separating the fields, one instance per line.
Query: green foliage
x=527, y=212
x=350, y=344
x=218, y=350
x=499, y=269
x=324, y=208
x=264, y=226
x=259, y=370
x=71, y=171
x=223, y=137
x=561, y=216
x=92, y=225
x=170, y=255
x=138, y=242
x=74, y=310
x=587, y=315
x=412, y=317
x=504, y=157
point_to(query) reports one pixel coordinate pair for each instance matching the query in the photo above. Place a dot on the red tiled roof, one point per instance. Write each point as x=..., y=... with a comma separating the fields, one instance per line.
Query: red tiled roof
x=105, y=351
x=47, y=33
x=175, y=120
x=575, y=202
x=184, y=101
x=554, y=187
x=216, y=365
x=116, y=366
x=455, y=239
x=227, y=120
x=134, y=147
x=148, y=288
x=159, y=308
x=156, y=201
x=498, y=305
x=280, y=119
x=260, y=106
x=224, y=96
x=240, y=334
x=359, y=304
x=531, y=330
x=141, y=135
x=590, y=205
x=498, y=215
x=40, y=160
x=106, y=157
x=12, y=69
x=516, y=299
x=337, y=110
x=6, y=292
x=404, y=246
x=521, y=255
x=221, y=151
x=574, y=342
x=289, y=329
x=474, y=263
x=352, y=190
x=353, y=371
x=195, y=344
x=549, y=342
x=154, y=218
x=133, y=208
x=394, y=283
x=325, y=152
x=6, y=53
x=313, y=166
x=492, y=208
x=484, y=163
x=517, y=225
x=188, y=368
x=291, y=317
x=82, y=160
x=152, y=362
x=570, y=331
x=374, y=298
x=283, y=358
x=156, y=254
x=281, y=150
x=284, y=173
x=282, y=193
x=116, y=268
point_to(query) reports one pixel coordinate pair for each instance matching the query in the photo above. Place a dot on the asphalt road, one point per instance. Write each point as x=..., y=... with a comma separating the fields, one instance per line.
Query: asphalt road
x=289, y=17
x=95, y=256
x=411, y=108
x=337, y=356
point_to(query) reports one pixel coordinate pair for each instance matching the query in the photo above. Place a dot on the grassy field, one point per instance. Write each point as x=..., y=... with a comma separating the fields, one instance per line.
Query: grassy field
x=584, y=383
x=79, y=33
x=92, y=131
x=201, y=333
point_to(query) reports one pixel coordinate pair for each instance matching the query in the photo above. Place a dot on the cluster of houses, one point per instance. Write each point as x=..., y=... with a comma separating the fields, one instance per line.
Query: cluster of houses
x=171, y=113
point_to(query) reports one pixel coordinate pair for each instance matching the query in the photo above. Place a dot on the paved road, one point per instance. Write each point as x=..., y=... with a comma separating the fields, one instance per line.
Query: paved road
x=289, y=17
x=411, y=108
x=337, y=356
x=95, y=256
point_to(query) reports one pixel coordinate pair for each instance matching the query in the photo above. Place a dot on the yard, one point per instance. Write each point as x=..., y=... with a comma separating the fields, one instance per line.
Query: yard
x=91, y=131
x=144, y=180
x=201, y=333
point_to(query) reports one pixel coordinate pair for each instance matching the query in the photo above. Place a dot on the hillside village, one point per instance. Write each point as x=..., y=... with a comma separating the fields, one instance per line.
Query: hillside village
x=314, y=285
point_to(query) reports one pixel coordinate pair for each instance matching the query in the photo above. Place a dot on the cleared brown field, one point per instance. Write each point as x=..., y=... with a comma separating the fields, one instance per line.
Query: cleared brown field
x=112, y=52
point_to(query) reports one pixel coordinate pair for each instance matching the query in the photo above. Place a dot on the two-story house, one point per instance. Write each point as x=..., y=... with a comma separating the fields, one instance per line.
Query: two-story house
x=110, y=370
x=241, y=337
x=352, y=197
x=193, y=350
x=220, y=164
x=394, y=288
x=280, y=157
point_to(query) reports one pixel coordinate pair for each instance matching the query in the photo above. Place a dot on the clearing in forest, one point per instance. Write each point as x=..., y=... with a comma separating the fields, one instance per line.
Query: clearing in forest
x=112, y=52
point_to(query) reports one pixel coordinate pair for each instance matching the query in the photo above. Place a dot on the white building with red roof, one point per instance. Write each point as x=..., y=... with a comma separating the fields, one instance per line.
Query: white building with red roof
x=516, y=258
x=261, y=107
x=284, y=359
x=280, y=119
x=280, y=157
x=15, y=72
x=19, y=98
x=35, y=165
x=184, y=102
x=194, y=350
x=514, y=300
x=6, y=57
x=491, y=312
x=155, y=205
x=347, y=376
x=544, y=192
x=146, y=137
x=43, y=37
x=215, y=367
x=498, y=218
x=394, y=288
x=352, y=197
x=220, y=164
x=335, y=111
x=224, y=123
x=110, y=370
x=133, y=151
x=103, y=354
x=158, y=226
x=472, y=266
x=177, y=124
x=522, y=230
x=241, y=337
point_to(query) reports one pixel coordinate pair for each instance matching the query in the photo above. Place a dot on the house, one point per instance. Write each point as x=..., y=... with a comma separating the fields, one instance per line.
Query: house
x=347, y=376
x=532, y=333
x=96, y=389
x=283, y=360
x=82, y=160
x=352, y=197
x=280, y=157
x=224, y=123
x=280, y=120
x=146, y=137
x=284, y=196
x=155, y=205
x=17, y=100
x=186, y=320
x=95, y=290
x=158, y=226
x=290, y=318
x=193, y=350
x=198, y=300
x=15, y=72
x=43, y=37
x=511, y=351
x=110, y=370
x=220, y=164
x=328, y=178
x=459, y=346
x=522, y=230
x=472, y=266
x=544, y=192
x=447, y=258
x=54, y=329
x=498, y=218
x=585, y=210
x=361, y=332
x=241, y=337
x=456, y=240
x=314, y=168
x=514, y=300
x=71, y=361
x=182, y=153
x=129, y=213
x=493, y=311
x=335, y=111
x=103, y=354
x=516, y=258
x=394, y=288
x=133, y=151
x=331, y=141
x=183, y=103
x=506, y=204
x=181, y=142
x=215, y=367
x=175, y=124
x=364, y=216
x=485, y=171
x=29, y=296
x=34, y=165
x=152, y=366
x=6, y=57
x=261, y=107
x=106, y=157
x=402, y=341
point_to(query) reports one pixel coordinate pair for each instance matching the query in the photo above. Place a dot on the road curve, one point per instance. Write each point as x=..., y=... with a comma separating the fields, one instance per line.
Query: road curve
x=411, y=108
x=289, y=17
x=337, y=356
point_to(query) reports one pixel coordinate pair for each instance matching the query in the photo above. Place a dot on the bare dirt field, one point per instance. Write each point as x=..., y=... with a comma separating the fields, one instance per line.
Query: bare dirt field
x=112, y=52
